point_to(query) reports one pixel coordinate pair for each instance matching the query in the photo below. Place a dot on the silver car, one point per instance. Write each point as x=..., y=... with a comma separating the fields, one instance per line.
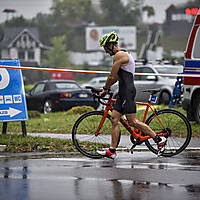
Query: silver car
x=165, y=84
x=99, y=82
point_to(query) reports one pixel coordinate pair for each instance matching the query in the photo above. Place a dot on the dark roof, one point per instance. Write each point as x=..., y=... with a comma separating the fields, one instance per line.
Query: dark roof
x=10, y=34
x=171, y=7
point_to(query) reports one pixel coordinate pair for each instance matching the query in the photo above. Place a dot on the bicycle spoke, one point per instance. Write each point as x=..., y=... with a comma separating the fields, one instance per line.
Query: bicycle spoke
x=178, y=131
x=84, y=134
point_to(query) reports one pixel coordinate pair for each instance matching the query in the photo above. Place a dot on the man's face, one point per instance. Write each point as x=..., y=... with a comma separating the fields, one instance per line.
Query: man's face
x=108, y=49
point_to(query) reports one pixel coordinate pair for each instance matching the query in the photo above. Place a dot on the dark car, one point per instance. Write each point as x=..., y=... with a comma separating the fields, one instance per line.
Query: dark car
x=58, y=95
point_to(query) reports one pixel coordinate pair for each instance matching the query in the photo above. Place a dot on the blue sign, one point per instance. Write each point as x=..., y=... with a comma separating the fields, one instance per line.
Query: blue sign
x=153, y=99
x=12, y=96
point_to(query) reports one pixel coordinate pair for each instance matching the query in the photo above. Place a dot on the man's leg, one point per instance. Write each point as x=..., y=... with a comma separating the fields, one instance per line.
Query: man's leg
x=161, y=142
x=115, y=117
x=140, y=125
x=111, y=152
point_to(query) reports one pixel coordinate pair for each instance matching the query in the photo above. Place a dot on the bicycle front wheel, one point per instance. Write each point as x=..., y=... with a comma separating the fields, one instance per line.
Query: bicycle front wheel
x=84, y=134
x=178, y=128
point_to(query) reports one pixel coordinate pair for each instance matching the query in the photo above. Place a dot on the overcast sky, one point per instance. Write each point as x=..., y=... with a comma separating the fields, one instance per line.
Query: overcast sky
x=29, y=8
x=160, y=6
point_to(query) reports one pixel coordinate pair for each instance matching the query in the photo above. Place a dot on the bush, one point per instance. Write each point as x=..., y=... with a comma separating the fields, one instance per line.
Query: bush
x=28, y=87
x=34, y=114
x=79, y=110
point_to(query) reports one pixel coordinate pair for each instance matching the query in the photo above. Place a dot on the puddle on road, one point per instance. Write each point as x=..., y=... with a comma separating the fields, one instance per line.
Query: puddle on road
x=126, y=163
x=74, y=173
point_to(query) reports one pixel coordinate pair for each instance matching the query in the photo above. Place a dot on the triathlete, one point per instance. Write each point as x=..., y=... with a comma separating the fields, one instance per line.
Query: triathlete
x=123, y=69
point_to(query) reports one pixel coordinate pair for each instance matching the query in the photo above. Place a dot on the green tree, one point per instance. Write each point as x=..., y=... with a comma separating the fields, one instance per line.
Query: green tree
x=150, y=11
x=71, y=17
x=19, y=22
x=46, y=27
x=115, y=12
x=57, y=56
x=72, y=10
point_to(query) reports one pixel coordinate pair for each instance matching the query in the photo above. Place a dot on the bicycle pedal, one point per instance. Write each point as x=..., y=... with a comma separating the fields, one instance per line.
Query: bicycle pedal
x=131, y=151
x=159, y=154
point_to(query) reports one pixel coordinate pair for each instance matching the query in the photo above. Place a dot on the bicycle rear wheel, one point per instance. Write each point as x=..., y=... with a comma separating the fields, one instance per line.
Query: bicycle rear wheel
x=84, y=134
x=178, y=128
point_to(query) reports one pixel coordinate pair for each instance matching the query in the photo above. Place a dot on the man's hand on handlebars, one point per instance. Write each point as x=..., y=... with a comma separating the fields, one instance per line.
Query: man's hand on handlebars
x=103, y=92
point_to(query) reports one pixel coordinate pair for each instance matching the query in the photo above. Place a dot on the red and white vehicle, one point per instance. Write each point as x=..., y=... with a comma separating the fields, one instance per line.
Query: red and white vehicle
x=191, y=101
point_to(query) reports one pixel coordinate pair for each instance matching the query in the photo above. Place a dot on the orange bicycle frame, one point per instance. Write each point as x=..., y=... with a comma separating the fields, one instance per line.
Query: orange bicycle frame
x=137, y=136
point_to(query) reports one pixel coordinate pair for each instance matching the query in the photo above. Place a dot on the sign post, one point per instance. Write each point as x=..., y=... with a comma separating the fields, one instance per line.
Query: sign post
x=12, y=97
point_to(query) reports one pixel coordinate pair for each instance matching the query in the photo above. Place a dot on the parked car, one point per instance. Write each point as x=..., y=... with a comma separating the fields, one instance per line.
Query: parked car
x=166, y=84
x=98, y=82
x=58, y=95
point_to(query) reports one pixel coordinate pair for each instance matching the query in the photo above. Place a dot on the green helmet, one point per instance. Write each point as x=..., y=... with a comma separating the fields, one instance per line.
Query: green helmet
x=107, y=38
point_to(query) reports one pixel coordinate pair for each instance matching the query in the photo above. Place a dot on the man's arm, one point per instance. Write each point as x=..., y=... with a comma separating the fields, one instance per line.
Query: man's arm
x=120, y=59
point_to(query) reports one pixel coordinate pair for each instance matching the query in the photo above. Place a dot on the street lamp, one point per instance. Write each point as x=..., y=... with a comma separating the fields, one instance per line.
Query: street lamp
x=8, y=11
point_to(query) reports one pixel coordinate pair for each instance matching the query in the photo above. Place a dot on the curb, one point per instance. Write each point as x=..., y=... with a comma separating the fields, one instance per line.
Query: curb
x=37, y=154
x=42, y=154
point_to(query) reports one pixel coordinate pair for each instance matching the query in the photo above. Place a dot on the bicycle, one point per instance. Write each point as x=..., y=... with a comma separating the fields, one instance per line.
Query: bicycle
x=92, y=130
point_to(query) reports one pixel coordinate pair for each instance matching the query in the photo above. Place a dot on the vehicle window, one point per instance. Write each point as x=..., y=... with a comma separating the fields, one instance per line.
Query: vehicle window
x=137, y=70
x=102, y=81
x=50, y=86
x=38, y=88
x=66, y=86
x=196, y=49
x=169, y=70
x=92, y=82
x=146, y=70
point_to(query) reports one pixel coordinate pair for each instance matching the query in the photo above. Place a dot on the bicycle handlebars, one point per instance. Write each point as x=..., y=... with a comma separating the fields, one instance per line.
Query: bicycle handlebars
x=95, y=93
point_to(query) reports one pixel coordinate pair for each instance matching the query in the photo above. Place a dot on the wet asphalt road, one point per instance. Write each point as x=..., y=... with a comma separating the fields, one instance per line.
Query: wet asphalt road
x=63, y=177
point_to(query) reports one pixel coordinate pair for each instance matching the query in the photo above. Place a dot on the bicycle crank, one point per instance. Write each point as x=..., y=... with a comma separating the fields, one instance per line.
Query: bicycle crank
x=136, y=142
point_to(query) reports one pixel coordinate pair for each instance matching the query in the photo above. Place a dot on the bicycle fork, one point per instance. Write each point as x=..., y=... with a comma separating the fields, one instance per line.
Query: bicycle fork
x=101, y=122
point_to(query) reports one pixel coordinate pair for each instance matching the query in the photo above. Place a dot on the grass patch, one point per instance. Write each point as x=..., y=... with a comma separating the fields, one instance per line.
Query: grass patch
x=16, y=143
x=60, y=122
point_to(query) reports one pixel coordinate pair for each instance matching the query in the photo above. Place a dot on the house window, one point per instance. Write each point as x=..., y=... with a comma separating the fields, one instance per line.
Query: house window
x=31, y=55
x=25, y=38
x=21, y=54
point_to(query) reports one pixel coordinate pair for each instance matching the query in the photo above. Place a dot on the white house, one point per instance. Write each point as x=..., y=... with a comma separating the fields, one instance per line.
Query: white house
x=23, y=44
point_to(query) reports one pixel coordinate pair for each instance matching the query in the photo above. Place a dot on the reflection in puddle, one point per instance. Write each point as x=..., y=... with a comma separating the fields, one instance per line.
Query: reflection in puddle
x=6, y=172
x=128, y=189
x=193, y=188
x=78, y=178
